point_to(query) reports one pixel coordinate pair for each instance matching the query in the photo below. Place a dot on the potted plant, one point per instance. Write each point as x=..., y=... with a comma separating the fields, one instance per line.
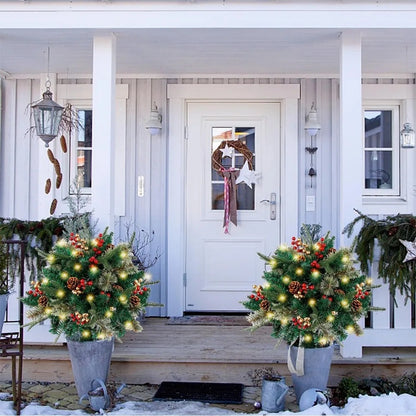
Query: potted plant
x=312, y=296
x=92, y=293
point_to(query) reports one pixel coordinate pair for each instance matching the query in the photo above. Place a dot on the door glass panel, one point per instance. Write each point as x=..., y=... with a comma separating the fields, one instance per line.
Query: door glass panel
x=245, y=194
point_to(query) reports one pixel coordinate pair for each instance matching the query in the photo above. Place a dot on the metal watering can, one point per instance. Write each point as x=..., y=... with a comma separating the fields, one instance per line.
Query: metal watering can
x=273, y=393
x=98, y=396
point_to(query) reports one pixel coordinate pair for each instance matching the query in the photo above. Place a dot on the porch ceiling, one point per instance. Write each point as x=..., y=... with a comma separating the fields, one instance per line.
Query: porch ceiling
x=178, y=52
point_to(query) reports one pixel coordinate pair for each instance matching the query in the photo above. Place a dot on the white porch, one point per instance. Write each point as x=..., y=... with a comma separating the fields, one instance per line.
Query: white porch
x=119, y=57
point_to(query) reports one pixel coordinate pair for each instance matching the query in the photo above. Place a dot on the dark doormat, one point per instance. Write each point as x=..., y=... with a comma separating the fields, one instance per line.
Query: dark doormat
x=202, y=392
x=214, y=320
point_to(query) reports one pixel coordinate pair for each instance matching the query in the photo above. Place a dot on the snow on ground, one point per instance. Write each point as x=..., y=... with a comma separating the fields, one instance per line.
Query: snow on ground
x=386, y=405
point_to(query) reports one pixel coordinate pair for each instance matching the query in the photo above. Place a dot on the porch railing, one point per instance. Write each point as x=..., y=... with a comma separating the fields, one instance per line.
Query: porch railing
x=392, y=327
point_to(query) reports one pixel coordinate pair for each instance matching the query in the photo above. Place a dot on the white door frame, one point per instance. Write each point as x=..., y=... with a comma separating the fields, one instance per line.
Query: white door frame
x=178, y=95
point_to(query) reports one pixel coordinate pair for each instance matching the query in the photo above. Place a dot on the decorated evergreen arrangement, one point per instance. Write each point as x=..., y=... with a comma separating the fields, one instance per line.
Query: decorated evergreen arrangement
x=90, y=289
x=312, y=295
x=395, y=237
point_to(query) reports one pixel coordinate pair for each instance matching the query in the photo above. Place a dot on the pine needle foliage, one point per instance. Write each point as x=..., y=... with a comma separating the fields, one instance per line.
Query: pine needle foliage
x=89, y=289
x=312, y=294
x=385, y=235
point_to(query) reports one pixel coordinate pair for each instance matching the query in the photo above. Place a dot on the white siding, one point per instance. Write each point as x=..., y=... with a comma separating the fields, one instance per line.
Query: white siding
x=147, y=156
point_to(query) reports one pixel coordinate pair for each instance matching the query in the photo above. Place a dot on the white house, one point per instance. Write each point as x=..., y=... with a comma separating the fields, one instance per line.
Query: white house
x=215, y=69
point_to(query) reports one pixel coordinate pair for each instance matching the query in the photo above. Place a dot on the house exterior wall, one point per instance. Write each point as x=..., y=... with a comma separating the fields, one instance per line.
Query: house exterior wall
x=147, y=156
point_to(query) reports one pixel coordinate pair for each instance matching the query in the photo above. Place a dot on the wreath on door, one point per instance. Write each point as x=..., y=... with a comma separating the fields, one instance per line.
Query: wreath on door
x=232, y=176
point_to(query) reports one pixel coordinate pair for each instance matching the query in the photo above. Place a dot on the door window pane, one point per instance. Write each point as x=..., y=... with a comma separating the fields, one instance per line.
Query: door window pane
x=245, y=194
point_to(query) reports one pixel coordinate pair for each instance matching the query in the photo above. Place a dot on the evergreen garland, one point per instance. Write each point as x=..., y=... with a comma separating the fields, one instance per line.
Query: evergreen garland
x=89, y=290
x=386, y=234
x=312, y=295
x=39, y=235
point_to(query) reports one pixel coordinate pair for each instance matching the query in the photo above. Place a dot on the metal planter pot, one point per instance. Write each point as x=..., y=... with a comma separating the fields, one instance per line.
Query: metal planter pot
x=316, y=366
x=90, y=360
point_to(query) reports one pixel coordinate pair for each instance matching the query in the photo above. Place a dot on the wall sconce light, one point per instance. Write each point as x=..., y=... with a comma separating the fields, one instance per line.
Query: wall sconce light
x=47, y=114
x=154, y=124
x=312, y=125
x=407, y=136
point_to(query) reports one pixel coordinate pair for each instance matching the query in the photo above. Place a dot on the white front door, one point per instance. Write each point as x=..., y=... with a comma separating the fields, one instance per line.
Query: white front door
x=221, y=268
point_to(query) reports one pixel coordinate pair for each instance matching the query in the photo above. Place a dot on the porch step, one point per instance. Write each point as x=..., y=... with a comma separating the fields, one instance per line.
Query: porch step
x=228, y=354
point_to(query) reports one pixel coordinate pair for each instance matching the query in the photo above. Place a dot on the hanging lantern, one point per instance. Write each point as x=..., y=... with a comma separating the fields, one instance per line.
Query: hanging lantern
x=47, y=114
x=407, y=135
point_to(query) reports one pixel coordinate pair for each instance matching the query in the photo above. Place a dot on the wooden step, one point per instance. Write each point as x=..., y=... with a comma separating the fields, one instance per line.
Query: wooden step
x=202, y=353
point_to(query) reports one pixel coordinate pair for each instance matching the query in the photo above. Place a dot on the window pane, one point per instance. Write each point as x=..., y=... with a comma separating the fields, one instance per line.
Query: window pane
x=245, y=195
x=85, y=130
x=219, y=134
x=218, y=196
x=246, y=135
x=84, y=168
x=378, y=128
x=378, y=169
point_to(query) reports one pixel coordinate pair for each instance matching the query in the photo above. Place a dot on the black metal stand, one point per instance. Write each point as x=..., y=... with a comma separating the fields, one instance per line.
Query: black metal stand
x=11, y=343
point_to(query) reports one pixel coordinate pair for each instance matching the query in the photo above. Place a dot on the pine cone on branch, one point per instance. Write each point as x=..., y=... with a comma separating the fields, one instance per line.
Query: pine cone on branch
x=72, y=283
x=294, y=287
x=43, y=301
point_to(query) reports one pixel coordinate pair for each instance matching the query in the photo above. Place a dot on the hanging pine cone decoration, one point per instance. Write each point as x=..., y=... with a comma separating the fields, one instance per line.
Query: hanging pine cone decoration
x=48, y=185
x=72, y=283
x=43, y=301
x=117, y=287
x=63, y=144
x=265, y=305
x=294, y=287
x=356, y=305
x=58, y=180
x=51, y=156
x=135, y=301
x=54, y=203
x=339, y=292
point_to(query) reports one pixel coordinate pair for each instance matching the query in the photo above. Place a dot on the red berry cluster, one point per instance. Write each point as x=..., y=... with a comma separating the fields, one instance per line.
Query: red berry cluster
x=330, y=298
x=140, y=290
x=36, y=290
x=361, y=294
x=301, y=323
x=79, y=319
x=93, y=260
x=82, y=284
x=258, y=296
x=77, y=242
x=297, y=245
x=315, y=265
x=107, y=294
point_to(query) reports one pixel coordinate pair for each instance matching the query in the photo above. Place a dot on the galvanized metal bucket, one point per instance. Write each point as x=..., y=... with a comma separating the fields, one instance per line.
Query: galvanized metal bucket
x=314, y=371
x=90, y=360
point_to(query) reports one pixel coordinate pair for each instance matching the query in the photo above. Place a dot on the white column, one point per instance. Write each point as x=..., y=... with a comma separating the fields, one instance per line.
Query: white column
x=46, y=169
x=103, y=119
x=351, y=133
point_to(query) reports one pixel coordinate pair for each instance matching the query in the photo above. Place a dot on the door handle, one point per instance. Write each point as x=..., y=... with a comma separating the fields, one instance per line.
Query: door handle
x=272, y=203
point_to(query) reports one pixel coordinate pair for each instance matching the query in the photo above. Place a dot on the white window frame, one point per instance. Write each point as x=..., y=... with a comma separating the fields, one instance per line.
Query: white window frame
x=395, y=149
x=80, y=95
x=403, y=95
x=74, y=150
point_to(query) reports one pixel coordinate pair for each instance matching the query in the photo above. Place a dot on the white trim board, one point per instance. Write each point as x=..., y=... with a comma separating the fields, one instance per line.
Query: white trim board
x=178, y=96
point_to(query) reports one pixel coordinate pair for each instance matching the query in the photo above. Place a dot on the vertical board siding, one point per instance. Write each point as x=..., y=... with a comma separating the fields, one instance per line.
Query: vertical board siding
x=147, y=156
